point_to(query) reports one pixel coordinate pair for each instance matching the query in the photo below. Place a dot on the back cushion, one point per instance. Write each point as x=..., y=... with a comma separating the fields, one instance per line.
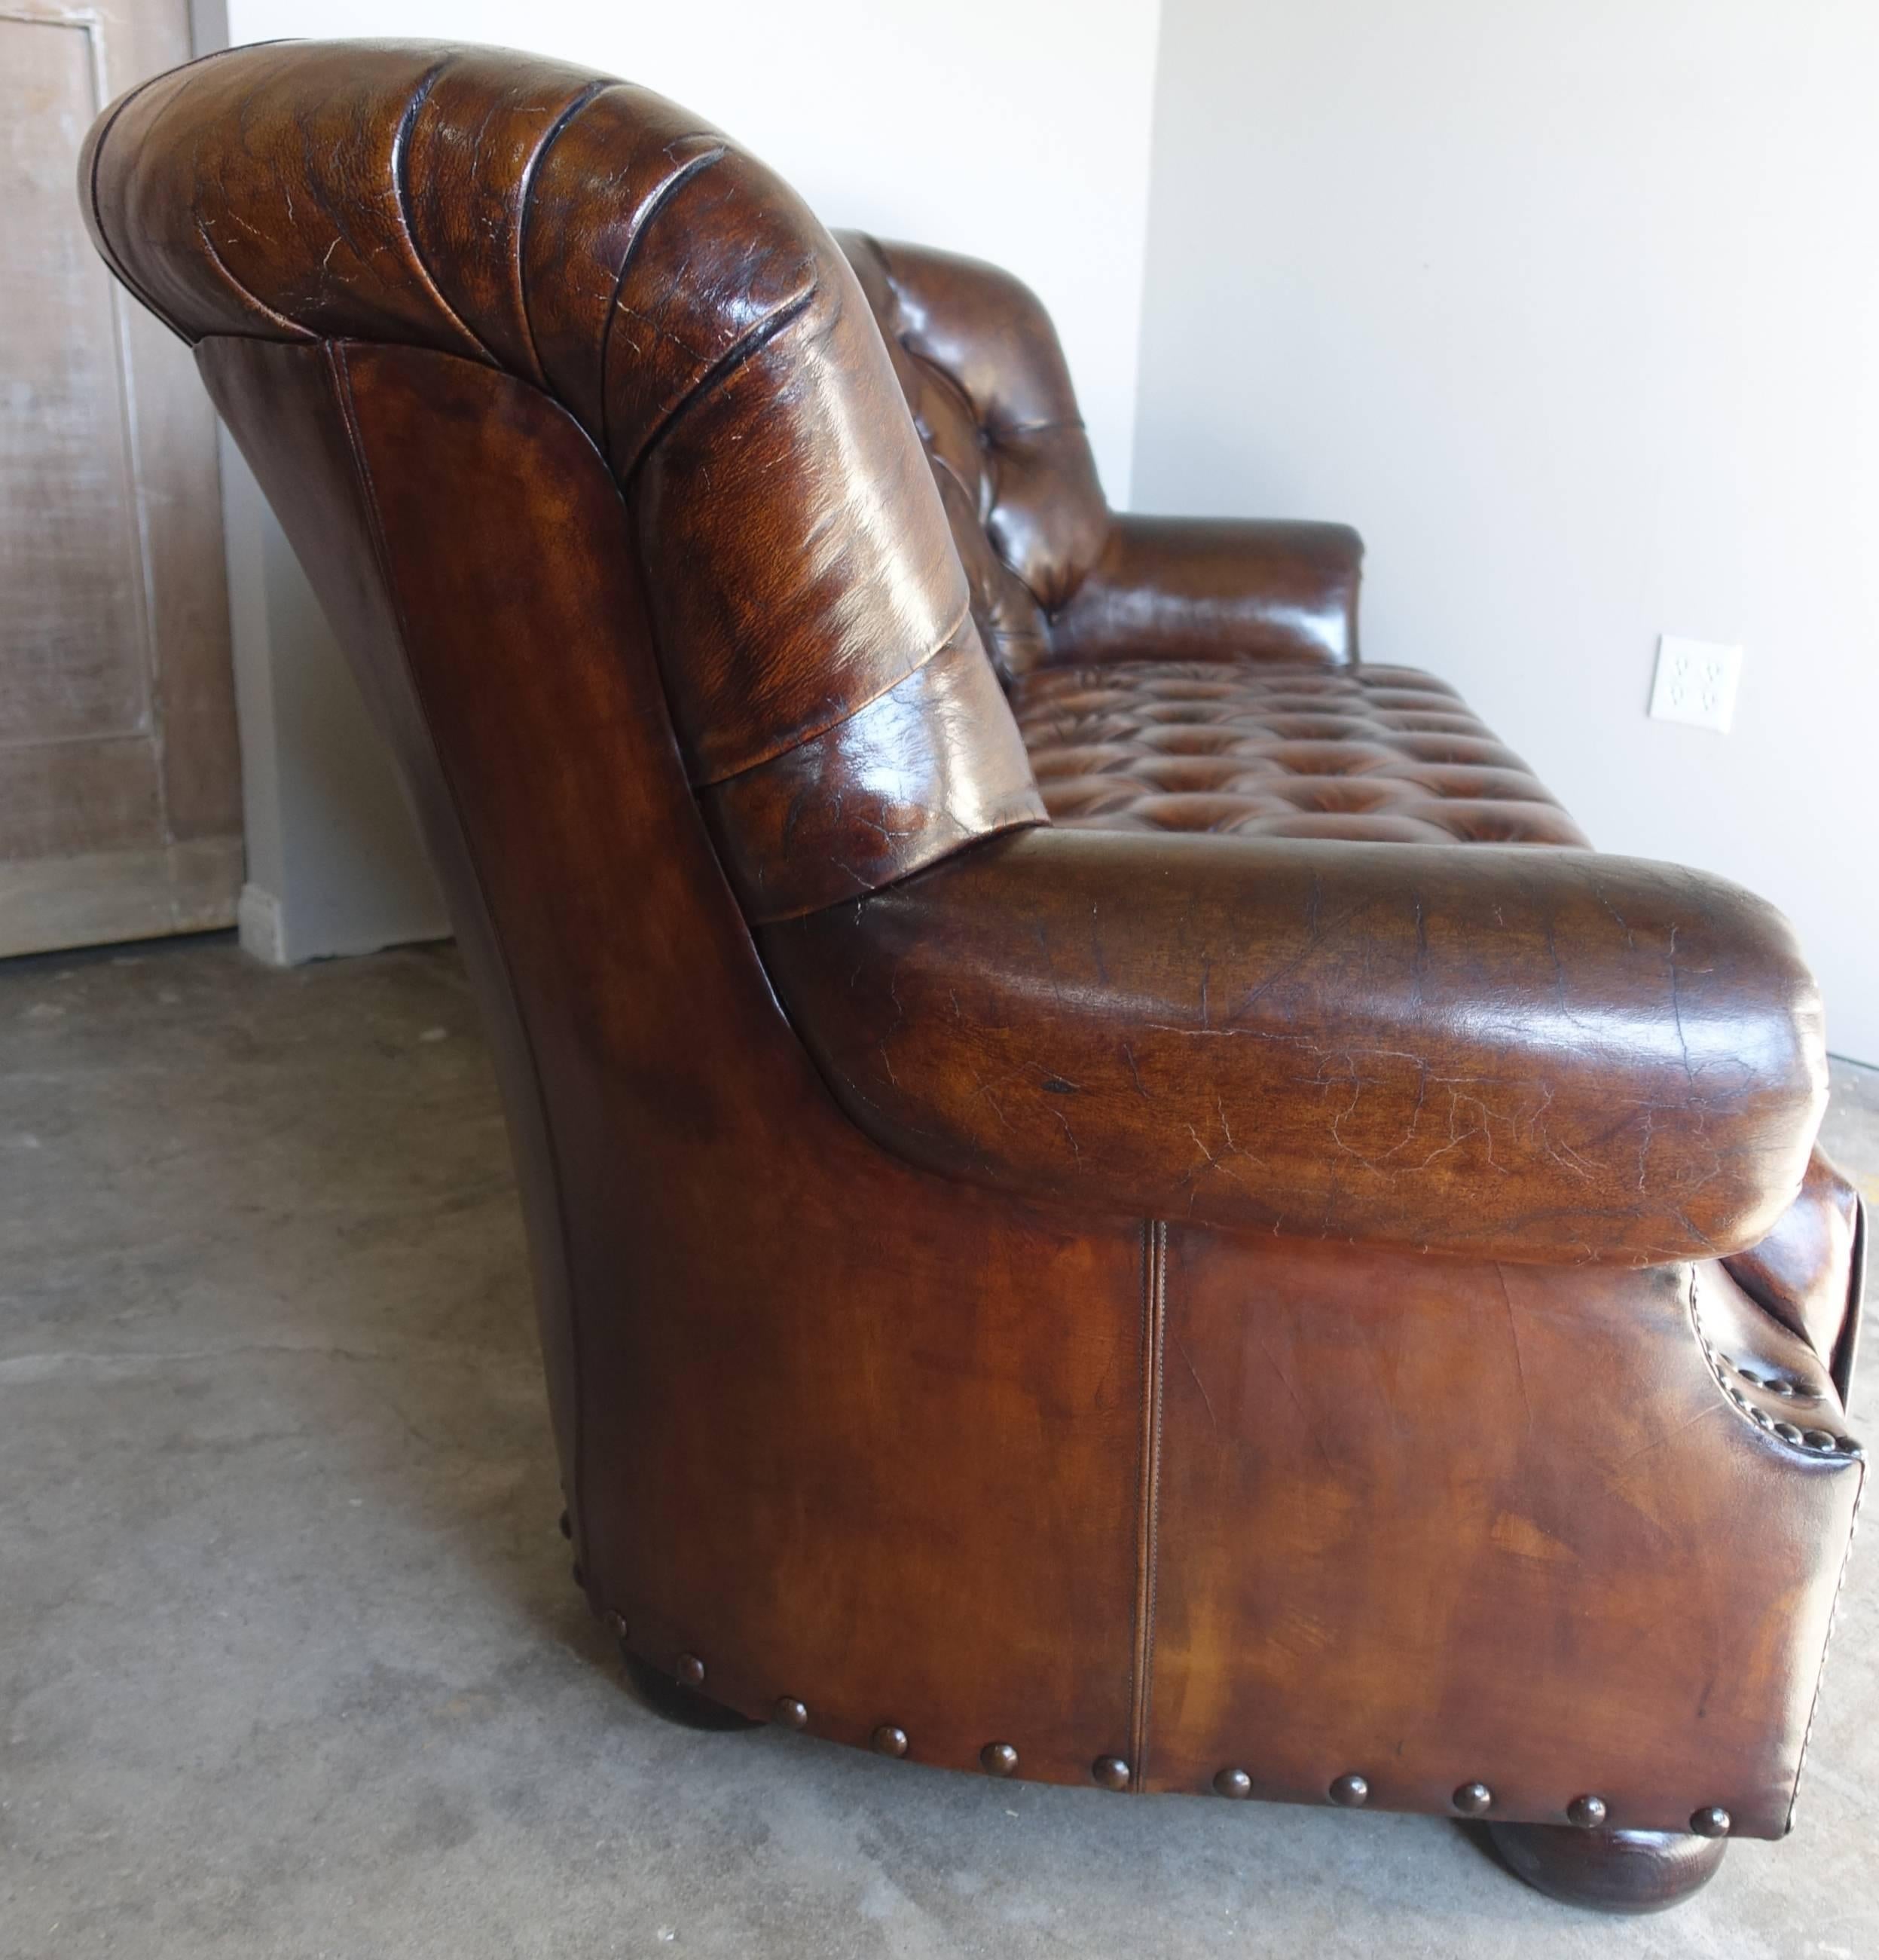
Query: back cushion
x=985, y=376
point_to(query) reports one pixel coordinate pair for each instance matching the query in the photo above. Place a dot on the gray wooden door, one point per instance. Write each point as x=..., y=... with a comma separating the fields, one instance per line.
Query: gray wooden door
x=120, y=804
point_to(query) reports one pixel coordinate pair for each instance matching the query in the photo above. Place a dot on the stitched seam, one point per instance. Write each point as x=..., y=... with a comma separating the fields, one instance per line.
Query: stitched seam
x=953, y=638
x=112, y=258
x=720, y=371
x=666, y=192
x=401, y=198
x=525, y=193
x=1832, y=1618
x=1154, y=1333
x=1846, y=1560
x=235, y=286
x=341, y=377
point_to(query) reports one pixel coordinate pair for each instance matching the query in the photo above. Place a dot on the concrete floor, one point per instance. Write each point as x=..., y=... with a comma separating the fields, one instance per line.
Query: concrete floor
x=290, y=1659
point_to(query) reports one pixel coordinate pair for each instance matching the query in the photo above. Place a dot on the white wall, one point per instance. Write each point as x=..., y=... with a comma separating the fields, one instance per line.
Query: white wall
x=1017, y=130
x=1572, y=306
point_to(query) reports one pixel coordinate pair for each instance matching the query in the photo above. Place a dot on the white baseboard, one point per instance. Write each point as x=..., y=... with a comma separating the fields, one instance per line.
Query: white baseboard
x=259, y=926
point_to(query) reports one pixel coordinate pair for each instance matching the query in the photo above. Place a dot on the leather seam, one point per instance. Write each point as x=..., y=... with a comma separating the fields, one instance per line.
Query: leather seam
x=1148, y=1519
x=241, y=292
x=113, y=257
x=739, y=355
x=525, y=204
x=1820, y=1680
x=953, y=636
x=401, y=202
x=691, y=167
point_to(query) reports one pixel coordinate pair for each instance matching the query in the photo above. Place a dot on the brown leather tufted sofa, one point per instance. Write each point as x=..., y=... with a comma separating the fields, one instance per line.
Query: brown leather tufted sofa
x=1116, y=1195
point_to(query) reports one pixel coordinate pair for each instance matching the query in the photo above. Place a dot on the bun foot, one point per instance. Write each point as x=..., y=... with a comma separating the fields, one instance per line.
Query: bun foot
x=1609, y=1871
x=676, y=1702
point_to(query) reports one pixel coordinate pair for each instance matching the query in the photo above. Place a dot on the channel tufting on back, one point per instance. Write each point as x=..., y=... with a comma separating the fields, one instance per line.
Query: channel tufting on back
x=689, y=311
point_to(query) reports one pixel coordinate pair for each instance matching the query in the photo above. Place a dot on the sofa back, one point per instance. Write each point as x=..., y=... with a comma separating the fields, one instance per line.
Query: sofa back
x=828, y=687
x=985, y=376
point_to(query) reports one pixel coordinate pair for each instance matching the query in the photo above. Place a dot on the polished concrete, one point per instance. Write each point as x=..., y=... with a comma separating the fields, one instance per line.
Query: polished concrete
x=289, y=1657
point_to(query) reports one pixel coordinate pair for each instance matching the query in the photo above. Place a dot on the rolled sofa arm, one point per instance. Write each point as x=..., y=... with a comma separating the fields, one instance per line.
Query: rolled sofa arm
x=1214, y=589
x=1549, y=1056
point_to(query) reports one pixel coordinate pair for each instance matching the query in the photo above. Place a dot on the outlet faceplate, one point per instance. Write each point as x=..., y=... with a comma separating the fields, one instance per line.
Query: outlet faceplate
x=1695, y=682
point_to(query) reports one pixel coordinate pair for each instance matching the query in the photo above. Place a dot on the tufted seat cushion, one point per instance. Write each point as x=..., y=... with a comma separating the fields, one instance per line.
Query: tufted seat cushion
x=1385, y=755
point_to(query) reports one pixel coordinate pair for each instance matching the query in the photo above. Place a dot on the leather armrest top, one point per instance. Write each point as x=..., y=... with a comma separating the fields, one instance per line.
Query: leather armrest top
x=1547, y=1056
x=1207, y=588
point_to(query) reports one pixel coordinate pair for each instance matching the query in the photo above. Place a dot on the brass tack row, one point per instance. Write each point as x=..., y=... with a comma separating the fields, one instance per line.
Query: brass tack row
x=1470, y=1800
x=1351, y=1790
x=1821, y=1441
x=1775, y=1385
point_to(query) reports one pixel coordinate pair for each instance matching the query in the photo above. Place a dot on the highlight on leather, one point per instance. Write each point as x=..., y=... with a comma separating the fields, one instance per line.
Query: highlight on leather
x=1524, y=1054
x=980, y=364
x=678, y=299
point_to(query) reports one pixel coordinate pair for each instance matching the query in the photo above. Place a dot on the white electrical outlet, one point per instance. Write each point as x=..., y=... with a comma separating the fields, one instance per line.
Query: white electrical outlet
x=1695, y=682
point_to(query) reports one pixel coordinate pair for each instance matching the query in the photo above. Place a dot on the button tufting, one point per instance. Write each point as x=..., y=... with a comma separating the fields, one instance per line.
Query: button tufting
x=1276, y=751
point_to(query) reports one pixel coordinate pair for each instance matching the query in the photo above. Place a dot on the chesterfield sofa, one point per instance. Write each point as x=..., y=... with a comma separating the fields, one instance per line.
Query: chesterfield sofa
x=1116, y=1195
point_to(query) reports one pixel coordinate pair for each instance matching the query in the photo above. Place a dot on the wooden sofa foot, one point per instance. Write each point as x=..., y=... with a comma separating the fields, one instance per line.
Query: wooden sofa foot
x=675, y=1702
x=1609, y=1871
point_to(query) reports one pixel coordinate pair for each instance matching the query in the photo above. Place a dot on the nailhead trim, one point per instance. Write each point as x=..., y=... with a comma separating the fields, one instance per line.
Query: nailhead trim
x=1816, y=1442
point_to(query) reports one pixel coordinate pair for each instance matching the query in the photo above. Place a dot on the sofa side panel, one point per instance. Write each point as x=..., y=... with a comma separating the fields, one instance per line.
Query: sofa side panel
x=841, y=1431
x=1436, y=1523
